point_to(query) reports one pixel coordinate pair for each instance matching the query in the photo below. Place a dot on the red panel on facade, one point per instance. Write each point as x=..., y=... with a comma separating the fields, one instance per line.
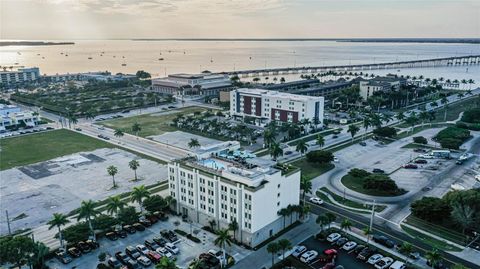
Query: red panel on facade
x=247, y=105
x=258, y=108
x=284, y=115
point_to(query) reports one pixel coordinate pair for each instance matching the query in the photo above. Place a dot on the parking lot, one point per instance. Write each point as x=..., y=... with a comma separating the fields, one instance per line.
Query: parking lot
x=188, y=249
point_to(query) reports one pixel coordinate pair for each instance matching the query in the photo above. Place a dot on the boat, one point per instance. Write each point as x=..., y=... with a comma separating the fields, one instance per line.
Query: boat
x=90, y=58
x=61, y=53
x=124, y=64
x=160, y=59
x=38, y=54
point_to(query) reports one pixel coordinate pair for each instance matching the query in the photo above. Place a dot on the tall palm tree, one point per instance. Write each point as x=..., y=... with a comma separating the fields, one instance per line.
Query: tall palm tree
x=284, y=245
x=346, y=225
x=87, y=211
x=268, y=137
x=222, y=240
x=320, y=140
x=273, y=248
x=434, y=257
x=302, y=146
x=463, y=215
x=58, y=221
x=134, y=164
x=411, y=120
x=138, y=194
x=366, y=123
x=367, y=232
x=323, y=221
x=275, y=151
x=112, y=171
x=284, y=213
x=115, y=204
x=400, y=116
x=353, y=130
x=305, y=186
x=423, y=116
x=406, y=248
x=193, y=143
x=386, y=118
x=233, y=226
x=136, y=128
x=118, y=133
x=331, y=217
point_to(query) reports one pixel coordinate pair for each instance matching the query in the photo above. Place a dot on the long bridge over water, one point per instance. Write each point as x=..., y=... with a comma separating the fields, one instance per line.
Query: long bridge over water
x=436, y=62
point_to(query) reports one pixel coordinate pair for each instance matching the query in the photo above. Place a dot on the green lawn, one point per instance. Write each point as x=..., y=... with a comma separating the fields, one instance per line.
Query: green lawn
x=28, y=149
x=434, y=243
x=151, y=124
x=311, y=170
x=443, y=231
x=356, y=184
x=350, y=203
x=311, y=137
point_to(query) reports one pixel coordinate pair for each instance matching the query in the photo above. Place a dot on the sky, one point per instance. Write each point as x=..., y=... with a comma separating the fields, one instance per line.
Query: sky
x=125, y=19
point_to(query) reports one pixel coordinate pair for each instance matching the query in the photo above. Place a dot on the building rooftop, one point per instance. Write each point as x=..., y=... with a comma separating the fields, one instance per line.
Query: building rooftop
x=278, y=94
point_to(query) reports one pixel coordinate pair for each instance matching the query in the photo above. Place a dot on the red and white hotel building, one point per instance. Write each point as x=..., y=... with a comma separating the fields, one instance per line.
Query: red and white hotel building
x=265, y=106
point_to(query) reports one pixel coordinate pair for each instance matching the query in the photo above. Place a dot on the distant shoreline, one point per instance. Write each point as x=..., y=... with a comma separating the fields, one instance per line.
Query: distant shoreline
x=33, y=43
x=359, y=40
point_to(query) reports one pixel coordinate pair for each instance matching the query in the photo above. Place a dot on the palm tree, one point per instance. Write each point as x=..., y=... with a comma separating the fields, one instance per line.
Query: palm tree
x=367, y=232
x=411, y=120
x=275, y=151
x=331, y=217
x=434, y=257
x=136, y=128
x=423, y=116
x=58, y=221
x=406, y=248
x=346, y=225
x=115, y=204
x=112, y=171
x=165, y=263
x=268, y=137
x=87, y=211
x=463, y=215
x=323, y=221
x=273, y=248
x=320, y=140
x=222, y=240
x=284, y=244
x=302, y=146
x=305, y=186
x=353, y=130
x=400, y=116
x=471, y=82
x=138, y=194
x=284, y=213
x=134, y=164
x=73, y=120
x=366, y=123
x=193, y=143
x=233, y=226
x=118, y=133
x=459, y=266
x=386, y=118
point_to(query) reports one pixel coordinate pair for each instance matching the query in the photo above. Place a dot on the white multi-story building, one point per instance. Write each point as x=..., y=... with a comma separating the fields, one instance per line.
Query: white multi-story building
x=265, y=106
x=11, y=116
x=19, y=75
x=188, y=84
x=387, y=83
x=223, y=190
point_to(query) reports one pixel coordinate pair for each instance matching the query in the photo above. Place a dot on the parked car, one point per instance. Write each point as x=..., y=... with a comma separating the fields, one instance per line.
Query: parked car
x=421, y=161
x=298, y=250
x=130, y=229
x=349, y=245
x=63, y=257
x=378, y=171
x=171, y=236
x=159, y=240
x=374, y=258
x=398, y=265
x=121, y=233
x=420, y=150
x=154, y=256
x=74, y=252
x=84, y=247
x=78, y=129
x=340, y=242
x=414, y=255
x=172, y=248
x=288, y=152
x=335, y=159
x=133, y=264
x=164, y=252
x=142, y=249
x=358, y=248
x=132, y=252
x=122, y=257
x=362, y=144
x=333, y=237
x=384, y=241
x=138, y=227
x=151, y=244
x=365, y=253
x=111, y=235
x=438, y=265
x=316, y=200
x=93, y=244
x=114, y=263
x=410, y=166
x=308, y=256
x=145, y=222
x=384, y=263
x=328, y=255
x=144, y=261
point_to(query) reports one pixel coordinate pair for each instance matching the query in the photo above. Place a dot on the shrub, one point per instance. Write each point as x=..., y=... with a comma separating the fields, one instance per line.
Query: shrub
x=385, y=131
x=76, y=233
x=452, y=137
x=319, y=156
x=104, y=222
x=180, y=232
x=471, y=126
x=193, y=238
x=450, y=143
x=355, y=172
x=420, y=140
x=472, y=115
x=128, y=215
x=380, y=182
x=431, y=209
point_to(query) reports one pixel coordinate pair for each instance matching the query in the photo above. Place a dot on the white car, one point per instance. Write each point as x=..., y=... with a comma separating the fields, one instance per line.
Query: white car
x=384, y=263
x=335, y=159
x=349, y=246
x=374, y=258
x=297, y=250
x=164, y=252
x=426, y=156
x=142, y=249
x=144, y=261
x=333, y=237
x=308, y=256
x=477, y=177
x=172, y=248
x=315, y=200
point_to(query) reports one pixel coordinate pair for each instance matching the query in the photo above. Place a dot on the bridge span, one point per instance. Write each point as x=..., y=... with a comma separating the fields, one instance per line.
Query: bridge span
x=436, y=62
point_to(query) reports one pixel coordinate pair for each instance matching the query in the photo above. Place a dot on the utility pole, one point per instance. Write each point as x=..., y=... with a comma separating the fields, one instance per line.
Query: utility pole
x=372, y=216
x=8, y=223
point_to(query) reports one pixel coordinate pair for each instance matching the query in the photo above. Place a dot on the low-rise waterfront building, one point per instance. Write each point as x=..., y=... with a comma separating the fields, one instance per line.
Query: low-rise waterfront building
x=249, y=191
x=387, y=83
x=266, y=106
x=19, y=75
x=13, y=116
x=191, y=84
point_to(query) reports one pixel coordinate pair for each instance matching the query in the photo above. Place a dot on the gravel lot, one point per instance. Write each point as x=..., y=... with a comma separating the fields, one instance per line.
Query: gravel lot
x=59, y=185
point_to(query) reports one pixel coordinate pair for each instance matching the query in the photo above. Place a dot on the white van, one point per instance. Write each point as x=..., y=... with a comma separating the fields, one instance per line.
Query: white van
x=397, y=265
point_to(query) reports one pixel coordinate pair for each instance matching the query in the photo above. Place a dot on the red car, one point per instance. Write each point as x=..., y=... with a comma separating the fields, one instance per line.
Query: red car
x=410, y=166
x=154, y=256
x=328, y=255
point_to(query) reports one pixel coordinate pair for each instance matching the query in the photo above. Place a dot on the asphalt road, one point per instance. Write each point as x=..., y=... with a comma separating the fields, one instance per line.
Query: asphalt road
x=361, y=221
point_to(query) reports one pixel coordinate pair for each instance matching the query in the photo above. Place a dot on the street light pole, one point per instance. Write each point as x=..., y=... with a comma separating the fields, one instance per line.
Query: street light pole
x=8, y=223
x=372, y=216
